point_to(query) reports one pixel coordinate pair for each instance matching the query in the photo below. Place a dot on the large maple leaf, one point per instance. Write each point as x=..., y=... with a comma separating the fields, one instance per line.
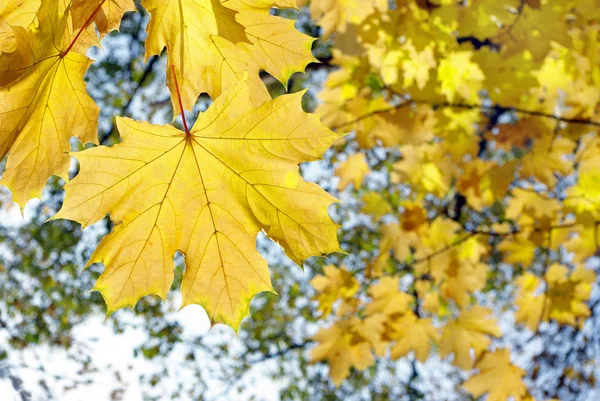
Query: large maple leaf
x=107, y=14
x=185, y=27
x=15, y=13
x=205, y=192
x=43, y=103
x=213, y=43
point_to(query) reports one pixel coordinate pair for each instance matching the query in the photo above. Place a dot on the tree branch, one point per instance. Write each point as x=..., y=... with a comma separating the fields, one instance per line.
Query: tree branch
x=138, y=85
x=496, y=108
x=281, y=352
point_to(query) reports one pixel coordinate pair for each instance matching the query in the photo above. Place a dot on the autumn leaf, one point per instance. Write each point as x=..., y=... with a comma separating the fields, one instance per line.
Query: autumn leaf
x=468, y=332
x=213, y=43
x=205, y=192
x=15, y=13
x=375, y=205
x=547, y=158
x=346, y=345
x=107, y=17
x=44, y=103
x=185, y=27
x=532, y=306
x=497, y=377
x=411, y=333
x=459, y=76
x=568, y=293
x=337, y=283
x=336, y=15
x=387, y=298
x=274, y=45
x=352, y=171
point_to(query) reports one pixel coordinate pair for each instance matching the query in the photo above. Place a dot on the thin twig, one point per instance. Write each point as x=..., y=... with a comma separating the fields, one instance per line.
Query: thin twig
x=282, y=351
x=497, y=108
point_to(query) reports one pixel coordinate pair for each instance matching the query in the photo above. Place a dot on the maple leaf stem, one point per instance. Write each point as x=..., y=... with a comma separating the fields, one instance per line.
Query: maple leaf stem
x=83, y=28
x=187, y=131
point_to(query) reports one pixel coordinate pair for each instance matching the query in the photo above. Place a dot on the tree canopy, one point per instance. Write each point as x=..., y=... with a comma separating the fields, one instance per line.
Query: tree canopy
x=443, y=169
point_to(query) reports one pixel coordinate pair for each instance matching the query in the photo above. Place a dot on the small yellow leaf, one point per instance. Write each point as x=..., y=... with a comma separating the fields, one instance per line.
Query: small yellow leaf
x=375, y=205
x=337, y=283
x=352, y=171
x=346, y=345
x=459, y=76
x=497, y=377
x=413, y=334
x=468, y=332
x=387, y=298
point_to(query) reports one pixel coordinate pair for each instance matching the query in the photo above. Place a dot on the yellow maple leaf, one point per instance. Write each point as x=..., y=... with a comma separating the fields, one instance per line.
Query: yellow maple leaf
x=387, y=298
x=430, y=298
x=424, y=167
x=335, y=15
x=505, y=72
x=529, y=208
x=439, y=234
x=459, y=278
x=212, y=44
x=375, y=205
x=274, y=45
x=497, y=377
x=584, y=243
x=550, y=21
x=185, y=27
x=375, y=120
x=43, y=103
x=518, y=249
x=411, y=126
x=417, y=66
x=481, y=18
x=337, y=283
x=483, y=183
x=546, y=158
x=275, y=3
x=455, y=267
x=413, y=216
x=414, y=65
x=460, y=132
x=107, y=17
x=584, y=197
x=568, y=292
x=411, y=333
x=530, y=303
x=396, y=240
x=553, y=76
x=399, y=126
x=352, y=171
x=15, y=13
x=459, y=76
x=346, y=344
x=468, y=331
x=205, y=192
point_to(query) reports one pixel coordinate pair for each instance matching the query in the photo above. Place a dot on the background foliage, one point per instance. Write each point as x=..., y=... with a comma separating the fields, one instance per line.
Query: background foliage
x=469, y=188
